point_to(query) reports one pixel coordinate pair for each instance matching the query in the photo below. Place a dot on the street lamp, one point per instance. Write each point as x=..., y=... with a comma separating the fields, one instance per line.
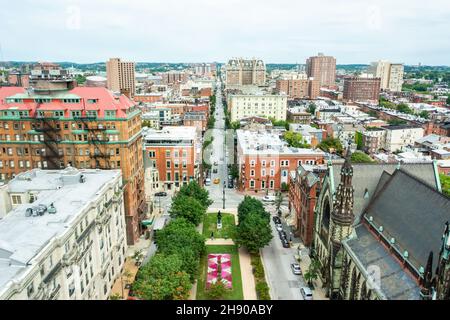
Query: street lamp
x=224, y=197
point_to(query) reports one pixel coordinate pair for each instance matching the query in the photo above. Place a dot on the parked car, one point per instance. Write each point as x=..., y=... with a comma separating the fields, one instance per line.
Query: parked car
x=276, y=220
x=207, y=182
x=215, y=170
x=161, y=194
x=279, y=227
x=285, y=243
x=282, y=234
x=306, y=293
x=295, y=267
x=230, y=184
x=268, y=198
x=215, y=163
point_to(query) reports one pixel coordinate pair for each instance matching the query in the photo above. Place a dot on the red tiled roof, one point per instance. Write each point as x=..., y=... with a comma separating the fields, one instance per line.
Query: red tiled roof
x=106, y=100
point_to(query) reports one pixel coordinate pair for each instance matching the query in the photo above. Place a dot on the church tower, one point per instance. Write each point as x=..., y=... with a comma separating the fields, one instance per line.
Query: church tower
x=443, y=269
x=341, y=225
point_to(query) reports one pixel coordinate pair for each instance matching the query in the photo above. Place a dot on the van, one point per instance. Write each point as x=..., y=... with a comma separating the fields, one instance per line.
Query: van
x=306, y=293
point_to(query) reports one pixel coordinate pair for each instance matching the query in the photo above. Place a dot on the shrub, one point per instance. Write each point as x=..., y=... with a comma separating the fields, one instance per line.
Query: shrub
x=262, y=291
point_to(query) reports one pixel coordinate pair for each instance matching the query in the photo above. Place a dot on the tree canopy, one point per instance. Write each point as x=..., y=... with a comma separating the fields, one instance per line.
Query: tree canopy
x=193, y=189
x=250, y=204
x=295, y=139
x=162, y=278
x=187, y=207
x=253, y=232
x=330, y=145
x=181, y=237
x=445, y=183
x=360, y=157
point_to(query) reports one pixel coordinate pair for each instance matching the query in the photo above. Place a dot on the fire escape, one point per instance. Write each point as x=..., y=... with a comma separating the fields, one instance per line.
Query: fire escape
x=50, y=129
x=98, y=138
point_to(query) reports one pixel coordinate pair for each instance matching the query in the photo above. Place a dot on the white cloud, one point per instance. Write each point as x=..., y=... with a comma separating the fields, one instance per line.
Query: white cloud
x=355, y=31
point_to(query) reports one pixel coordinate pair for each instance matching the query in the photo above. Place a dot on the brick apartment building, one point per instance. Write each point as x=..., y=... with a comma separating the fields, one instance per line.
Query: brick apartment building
x=265, y=160
x=361, y=89
x=299, y=88
x=322, y=68
x=173, y=154
x=81, y=127
x=304, y=188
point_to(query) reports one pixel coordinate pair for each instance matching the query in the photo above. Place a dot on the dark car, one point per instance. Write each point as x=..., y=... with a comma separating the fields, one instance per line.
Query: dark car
x=285, y=243
x=214, y=170
x=276, y=220
x=230, y=184
x=282, y=235
x=161, y=194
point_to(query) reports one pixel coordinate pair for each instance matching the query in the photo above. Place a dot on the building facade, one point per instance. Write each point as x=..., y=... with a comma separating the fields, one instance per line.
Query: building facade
x=65, y=236
x=391, y=74
x=361, y=89
x=298, y=88
x=262, y=105
x=241, y=71
x=366, y=234
x=175, y=152
x=265, y=161
x=83, y=127
x=121, y=77
x=322, y=68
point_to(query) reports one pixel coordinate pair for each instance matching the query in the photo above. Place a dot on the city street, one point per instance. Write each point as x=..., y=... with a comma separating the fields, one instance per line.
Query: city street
x=232, y=198
x=284, y=285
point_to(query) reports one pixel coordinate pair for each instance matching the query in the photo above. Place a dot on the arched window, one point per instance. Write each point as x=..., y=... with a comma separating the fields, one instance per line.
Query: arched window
x=326, y=211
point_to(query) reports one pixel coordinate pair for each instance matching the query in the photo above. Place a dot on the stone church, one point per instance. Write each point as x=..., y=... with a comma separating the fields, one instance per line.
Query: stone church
x=381, y=232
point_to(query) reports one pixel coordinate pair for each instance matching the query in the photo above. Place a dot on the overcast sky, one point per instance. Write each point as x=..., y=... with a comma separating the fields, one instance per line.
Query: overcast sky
x=278, y=31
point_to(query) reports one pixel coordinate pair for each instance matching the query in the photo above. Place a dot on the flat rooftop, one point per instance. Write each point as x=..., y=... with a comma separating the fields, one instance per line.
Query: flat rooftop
x=21, y=237
x=168, y=133
x=268, y=142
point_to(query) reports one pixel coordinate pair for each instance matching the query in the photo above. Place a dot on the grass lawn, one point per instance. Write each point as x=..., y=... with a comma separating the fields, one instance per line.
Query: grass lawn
x=236, y=292
x=228, y=226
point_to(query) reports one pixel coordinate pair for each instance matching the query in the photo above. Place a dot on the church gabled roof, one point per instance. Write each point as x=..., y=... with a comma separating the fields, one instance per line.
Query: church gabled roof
x=366, y=178
x=413, y=213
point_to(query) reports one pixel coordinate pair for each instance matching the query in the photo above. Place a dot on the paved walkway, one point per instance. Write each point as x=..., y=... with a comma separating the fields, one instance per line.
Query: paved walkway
x=119, y=285
x=248, y=280
x=219, y=242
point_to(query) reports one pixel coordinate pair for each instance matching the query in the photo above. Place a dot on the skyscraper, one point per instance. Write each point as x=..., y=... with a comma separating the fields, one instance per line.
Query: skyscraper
x=120, y=76
x=322, y=68
x=245, y=72
x=391, y=74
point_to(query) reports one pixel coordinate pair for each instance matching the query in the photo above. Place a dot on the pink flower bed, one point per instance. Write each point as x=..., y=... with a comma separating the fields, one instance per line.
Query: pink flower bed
x=212, y=275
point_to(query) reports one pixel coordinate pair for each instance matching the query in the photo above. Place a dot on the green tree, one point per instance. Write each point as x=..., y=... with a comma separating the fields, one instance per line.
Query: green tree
x=193, y=189
x=235, y=125
x=216, y=290
x=360, y=157
x=233, y=170
x=424, y=114
x=278, y=200
x=295, y=139
x=396, y=122
x=331, y=145
x=445, y=184
x=402, y=107
x=250, y=204
x=279, y=123
x=313, y=271
x=162, y=278
x=448, y=100
x=187, y=207
x=254, y=232
x=359, y=140
x=181, y=237
x=311, y=108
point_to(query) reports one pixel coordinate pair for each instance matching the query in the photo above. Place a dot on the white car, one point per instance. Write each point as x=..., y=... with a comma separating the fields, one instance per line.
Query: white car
x=279, y=227
x=207, y=182
x=268, y=198
x=306, y=293
x=296, y=269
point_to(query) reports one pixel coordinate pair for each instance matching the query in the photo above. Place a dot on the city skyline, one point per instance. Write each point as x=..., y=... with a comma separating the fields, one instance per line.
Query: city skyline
x=357, y=33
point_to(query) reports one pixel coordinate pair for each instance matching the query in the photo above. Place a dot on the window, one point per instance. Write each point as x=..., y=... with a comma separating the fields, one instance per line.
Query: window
x=263, y=163
x=252, y=183
x=152, y=154
x=272, y=163
x=176, y=164
x=30, y=290
x=71, y=289
x=272, y=183
x=168, y=164
x=167, y=153
x=299, y=163
x=184, y=164
x=272, y=172
x=252, y=163
x=168, y=176
x=184, y=153
x=252, y=173
x=263, y=172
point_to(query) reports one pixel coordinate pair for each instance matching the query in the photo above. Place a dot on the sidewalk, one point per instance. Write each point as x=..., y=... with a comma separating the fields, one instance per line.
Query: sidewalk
x=248, y=280
x=318, y=292
x=119, y=285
